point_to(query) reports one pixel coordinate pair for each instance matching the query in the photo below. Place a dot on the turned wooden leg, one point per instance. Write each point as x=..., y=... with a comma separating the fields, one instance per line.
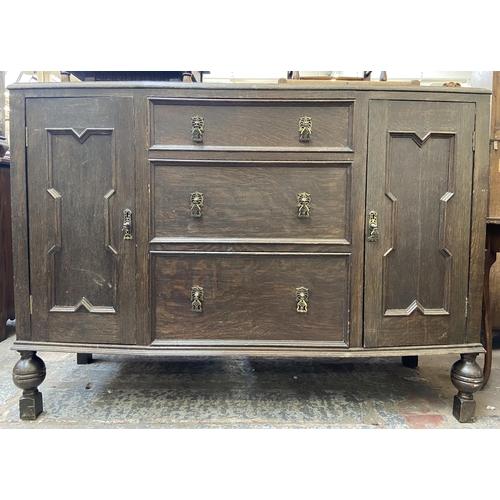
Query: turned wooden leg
x=83, y=358
x=467, y=377
x=29, y=372
x=490, y=258
x=410, y=361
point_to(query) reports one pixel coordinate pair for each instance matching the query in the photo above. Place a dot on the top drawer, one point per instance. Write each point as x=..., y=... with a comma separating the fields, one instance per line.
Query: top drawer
x=251, y=125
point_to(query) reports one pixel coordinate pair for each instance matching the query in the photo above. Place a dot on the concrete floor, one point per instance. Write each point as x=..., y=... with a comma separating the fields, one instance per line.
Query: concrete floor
x=241, y=393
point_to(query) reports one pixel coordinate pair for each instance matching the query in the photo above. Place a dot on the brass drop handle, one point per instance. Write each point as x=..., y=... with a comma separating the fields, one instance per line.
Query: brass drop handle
x=301, y=298
x=197, y=128
x=305, y=128
x=127, y=224
x=197, y=299
x=373, y=233
x=196, y=200
x=304, y=200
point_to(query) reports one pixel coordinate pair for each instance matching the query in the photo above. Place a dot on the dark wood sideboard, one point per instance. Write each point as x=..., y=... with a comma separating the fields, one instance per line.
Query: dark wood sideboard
x=257, y=220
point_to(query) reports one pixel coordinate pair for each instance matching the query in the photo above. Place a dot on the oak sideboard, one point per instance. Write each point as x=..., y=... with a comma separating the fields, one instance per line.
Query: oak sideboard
x=258, y=220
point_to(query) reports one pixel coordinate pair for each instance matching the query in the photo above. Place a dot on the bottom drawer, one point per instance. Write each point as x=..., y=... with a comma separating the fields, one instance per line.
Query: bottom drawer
x=253, y=298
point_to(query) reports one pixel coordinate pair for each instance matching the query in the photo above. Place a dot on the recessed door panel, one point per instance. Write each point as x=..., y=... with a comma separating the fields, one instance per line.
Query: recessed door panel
x=80, y=180
x=419, y=188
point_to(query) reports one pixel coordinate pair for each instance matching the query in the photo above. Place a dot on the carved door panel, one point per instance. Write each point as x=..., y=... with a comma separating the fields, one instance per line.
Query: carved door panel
x=80, y=181
x=420, y=159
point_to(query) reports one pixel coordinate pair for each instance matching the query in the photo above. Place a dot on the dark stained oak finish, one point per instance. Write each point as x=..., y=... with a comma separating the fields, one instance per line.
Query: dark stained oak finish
x=252, y=298
x=252, y=201
x=81, y=178
x=251, y=124
x=195, y=220
x=420, y=165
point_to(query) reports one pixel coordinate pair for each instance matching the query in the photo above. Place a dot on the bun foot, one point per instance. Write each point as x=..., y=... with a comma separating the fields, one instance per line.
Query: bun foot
x=28, y=373
x=467, y=377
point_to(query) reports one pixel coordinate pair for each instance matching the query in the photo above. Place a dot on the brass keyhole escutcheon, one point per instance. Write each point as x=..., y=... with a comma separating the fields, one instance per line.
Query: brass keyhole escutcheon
x=373, y=233
x=196, y=200
x=304, y=200
x=305, y=128
x=197, y=128
x=127, y=224
x=302, y=298
x=197, y=299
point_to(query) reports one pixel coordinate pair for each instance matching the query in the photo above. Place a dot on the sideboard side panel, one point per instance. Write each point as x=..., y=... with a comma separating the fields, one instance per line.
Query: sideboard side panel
x=19, y=216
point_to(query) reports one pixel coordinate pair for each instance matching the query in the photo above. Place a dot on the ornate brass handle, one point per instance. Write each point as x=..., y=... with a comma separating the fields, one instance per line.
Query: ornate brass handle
x=305, y=128
x=373, y=233
x=196, y=200
x=127, y=224
x=304, y=199
x=302, y=298
x=197, y=128
x=196, y=299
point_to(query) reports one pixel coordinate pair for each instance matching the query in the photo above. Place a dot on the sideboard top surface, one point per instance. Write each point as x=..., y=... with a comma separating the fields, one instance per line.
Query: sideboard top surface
x=371, y=87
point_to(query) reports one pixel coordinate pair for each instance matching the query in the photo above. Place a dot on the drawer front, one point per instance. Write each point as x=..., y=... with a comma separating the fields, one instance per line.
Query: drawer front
x=251, y=124
x=251, y=298
x=252, y=202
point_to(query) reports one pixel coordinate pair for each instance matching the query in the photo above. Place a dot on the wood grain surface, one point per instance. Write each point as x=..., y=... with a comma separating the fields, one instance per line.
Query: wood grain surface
x=251, y=124
x=252, y=297
x=253, y=201
x=420, y=168
x=80, y=179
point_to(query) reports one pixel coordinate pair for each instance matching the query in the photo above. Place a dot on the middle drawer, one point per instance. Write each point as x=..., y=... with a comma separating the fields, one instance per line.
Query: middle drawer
x=276, y=203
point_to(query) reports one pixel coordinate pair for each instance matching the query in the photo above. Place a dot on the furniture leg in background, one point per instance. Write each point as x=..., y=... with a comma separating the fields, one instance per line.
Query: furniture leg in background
x=6, y=272
x=492, y=247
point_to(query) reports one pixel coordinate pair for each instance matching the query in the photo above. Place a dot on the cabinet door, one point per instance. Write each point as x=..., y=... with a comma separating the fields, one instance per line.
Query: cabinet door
x=420, y=161
x=80, y=171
